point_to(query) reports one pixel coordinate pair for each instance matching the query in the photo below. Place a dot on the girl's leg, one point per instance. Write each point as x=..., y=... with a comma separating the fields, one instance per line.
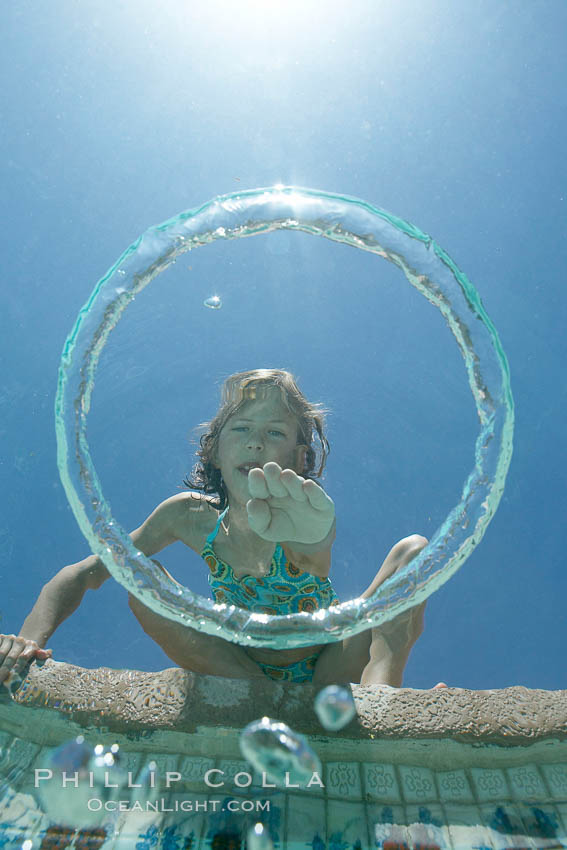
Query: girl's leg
x=194, y=650
x=379, y=655
x=391, y=646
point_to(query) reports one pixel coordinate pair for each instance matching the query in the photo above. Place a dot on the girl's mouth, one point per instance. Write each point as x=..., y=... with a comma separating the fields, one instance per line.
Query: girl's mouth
x=245, y=468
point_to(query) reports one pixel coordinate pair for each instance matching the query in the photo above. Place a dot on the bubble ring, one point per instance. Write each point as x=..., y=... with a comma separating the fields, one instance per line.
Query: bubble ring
x=341, y=219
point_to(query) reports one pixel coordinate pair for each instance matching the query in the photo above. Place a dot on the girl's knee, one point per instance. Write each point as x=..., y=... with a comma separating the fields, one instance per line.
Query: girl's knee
x=409, y=547
x=137, y=608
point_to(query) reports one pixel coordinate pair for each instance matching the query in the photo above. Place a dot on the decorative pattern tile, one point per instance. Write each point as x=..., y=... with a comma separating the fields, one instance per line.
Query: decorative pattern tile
x=380, y=783
x=138, y=829
x=62, y=837
x=5, y=739
x=93, y=838
x=17, y=767
x=342, y=779
x=426, y=826
x=167, y=763
x=131, y=762
x=177, y=835
x=489, y=784
x=556, y=776
x=274, y=817
x=19, y=755
x=542, y=823
x=346, y=826
x=465, y=827
x=231, y=815
x=561, y=809
x=386, y=825
x=193, y=771
x=526, y=783
x=305, y=822
x=237, y=775
x=21, y=811
x=319, y=789
x=26, y=778
x=184, y=828
x=418, y=784
x=505, y=828
x=454, y=786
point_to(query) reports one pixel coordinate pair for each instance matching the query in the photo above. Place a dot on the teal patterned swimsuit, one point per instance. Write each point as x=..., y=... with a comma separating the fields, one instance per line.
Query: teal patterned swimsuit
x=284, y=590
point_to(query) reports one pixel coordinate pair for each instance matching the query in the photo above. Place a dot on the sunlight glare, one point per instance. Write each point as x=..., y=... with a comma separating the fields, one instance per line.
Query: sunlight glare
x=263, y=32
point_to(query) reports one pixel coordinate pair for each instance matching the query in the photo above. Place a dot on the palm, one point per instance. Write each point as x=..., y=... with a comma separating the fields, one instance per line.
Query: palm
x=284, y=507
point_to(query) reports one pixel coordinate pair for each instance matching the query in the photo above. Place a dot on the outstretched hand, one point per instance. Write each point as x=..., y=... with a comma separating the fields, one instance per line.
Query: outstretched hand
x=286, y=508
x=16, y=653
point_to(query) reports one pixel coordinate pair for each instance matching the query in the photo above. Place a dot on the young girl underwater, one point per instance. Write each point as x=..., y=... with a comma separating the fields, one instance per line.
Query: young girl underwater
x=265, y=529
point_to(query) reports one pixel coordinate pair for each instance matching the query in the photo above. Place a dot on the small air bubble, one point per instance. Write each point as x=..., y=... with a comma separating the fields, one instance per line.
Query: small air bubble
x=213, y=302
x=277, y=750
x=334, y=707
x=258, y=838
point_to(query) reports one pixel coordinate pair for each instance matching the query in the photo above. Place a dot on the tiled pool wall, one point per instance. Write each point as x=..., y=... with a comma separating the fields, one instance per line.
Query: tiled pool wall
x=363, y=804
x=387, y=791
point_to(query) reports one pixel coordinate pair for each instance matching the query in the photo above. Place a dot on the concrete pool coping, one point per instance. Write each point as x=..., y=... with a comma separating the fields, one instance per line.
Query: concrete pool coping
x=206, y=713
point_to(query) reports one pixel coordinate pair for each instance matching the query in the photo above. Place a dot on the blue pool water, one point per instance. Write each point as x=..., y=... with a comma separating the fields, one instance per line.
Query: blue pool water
x=118, y=116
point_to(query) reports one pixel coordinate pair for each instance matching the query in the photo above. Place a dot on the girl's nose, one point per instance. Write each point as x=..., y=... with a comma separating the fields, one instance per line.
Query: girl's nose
x=255, y=441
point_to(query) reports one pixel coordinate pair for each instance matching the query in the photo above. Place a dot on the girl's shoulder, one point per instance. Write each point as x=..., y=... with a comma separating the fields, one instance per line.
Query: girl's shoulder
x=193, y=517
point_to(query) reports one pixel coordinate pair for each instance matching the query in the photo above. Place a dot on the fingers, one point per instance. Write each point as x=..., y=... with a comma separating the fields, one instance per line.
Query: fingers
x=259, y=515
x=16, y=653
x=318, y=499
x=268, y=482
x=7, y=655
x=257, y=485
x=43, y=654
x=294, y=485
x=272, y=481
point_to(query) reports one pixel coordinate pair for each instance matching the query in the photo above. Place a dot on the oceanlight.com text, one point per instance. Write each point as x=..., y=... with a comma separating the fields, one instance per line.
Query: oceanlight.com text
x=95, y=804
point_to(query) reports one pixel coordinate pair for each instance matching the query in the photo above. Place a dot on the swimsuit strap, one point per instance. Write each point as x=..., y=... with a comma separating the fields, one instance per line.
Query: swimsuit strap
x=215, y=530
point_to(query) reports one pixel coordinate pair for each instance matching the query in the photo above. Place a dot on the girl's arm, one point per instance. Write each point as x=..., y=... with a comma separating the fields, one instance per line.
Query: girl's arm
x=57, y=600
x=63, y=594
x=314, y=558
x=60, y=597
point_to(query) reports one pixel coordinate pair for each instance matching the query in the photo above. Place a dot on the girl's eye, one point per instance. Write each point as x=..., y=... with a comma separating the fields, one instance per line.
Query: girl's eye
x=245, y=428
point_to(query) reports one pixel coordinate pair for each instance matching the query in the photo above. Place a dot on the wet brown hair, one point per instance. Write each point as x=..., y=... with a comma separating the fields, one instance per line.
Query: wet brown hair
x=247, y=386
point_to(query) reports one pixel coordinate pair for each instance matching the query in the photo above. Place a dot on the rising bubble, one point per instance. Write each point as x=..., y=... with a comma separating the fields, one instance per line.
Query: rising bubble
x=335, y=707
x=258, y=838
x=213, y=302
x=279, y=752
x=71, y=759
x=79, y=772
x=72, y=756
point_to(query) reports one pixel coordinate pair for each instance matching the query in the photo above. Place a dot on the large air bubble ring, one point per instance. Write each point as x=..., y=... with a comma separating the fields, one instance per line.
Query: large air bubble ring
x=341, y=219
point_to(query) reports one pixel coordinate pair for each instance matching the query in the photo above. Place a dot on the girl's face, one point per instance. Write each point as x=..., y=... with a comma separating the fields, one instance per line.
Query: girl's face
x=261, y=430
